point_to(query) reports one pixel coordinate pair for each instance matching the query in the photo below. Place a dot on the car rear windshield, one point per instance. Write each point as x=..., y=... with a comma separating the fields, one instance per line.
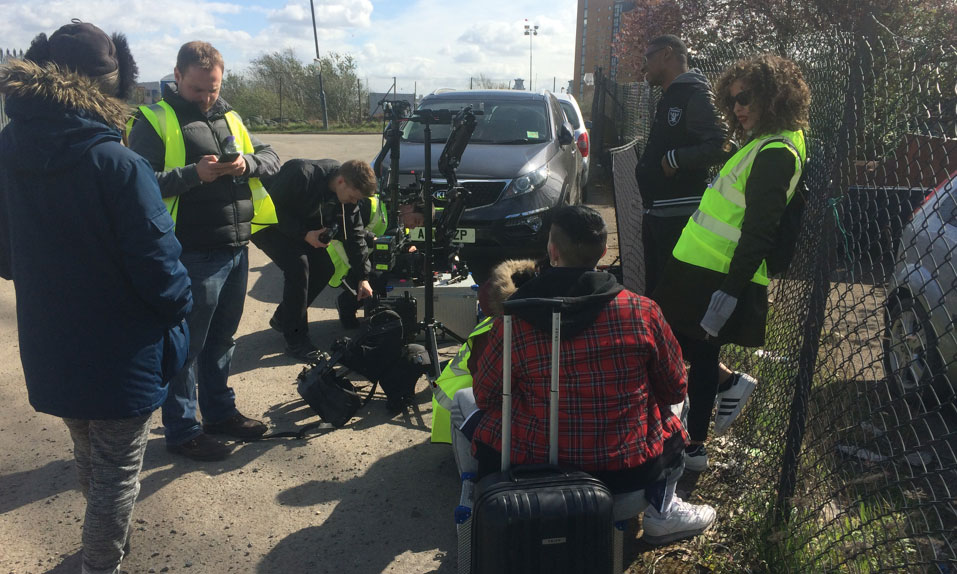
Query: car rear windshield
x=503, y=122
x=570, y=113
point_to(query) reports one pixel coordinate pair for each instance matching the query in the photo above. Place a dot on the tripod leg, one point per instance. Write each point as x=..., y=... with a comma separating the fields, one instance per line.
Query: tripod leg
x=450, y=333
x=433, y=348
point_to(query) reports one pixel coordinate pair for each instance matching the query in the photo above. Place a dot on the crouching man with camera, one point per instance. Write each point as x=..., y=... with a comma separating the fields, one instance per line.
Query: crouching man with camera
x=316, y=202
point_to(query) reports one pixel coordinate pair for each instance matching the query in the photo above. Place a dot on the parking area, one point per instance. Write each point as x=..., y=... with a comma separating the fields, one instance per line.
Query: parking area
x=374, y=496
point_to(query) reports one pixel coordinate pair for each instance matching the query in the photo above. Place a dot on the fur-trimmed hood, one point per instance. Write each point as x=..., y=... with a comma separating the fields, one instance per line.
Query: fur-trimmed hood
x=27, y=80
x=57, y=116
x=504, y=280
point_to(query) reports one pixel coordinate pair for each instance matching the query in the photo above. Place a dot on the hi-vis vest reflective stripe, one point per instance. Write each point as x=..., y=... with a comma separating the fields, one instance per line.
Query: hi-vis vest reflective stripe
x=711, y=235
x=337, y=251
x=163, y=119
x=455, y=376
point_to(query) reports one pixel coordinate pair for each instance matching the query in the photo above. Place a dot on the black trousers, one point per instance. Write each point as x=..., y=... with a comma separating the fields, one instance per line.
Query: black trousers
x=306, y=271
x=702, y=383
x=659, y=236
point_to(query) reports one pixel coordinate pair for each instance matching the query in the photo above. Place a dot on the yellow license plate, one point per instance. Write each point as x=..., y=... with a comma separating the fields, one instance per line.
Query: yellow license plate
x=462, y=235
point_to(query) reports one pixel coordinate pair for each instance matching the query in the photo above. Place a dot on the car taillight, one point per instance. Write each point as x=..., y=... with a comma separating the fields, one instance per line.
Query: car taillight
x=583, y=144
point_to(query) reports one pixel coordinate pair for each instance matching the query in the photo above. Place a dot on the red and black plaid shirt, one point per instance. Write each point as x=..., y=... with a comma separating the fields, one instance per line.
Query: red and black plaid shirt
x=617, y=379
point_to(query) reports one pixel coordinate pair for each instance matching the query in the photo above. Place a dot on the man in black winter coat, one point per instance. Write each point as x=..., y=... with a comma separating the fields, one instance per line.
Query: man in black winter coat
x=316, y=202
x=212, y=204
x=686, y=140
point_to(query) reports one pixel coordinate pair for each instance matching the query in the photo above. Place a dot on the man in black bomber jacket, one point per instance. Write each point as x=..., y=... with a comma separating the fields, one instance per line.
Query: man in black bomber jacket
x=686, y=140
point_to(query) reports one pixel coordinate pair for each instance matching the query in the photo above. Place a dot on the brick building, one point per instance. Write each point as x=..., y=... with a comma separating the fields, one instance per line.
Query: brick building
x=598, y=24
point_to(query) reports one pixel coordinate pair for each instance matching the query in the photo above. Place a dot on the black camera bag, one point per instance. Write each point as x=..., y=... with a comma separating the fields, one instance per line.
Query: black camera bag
x=333, y=398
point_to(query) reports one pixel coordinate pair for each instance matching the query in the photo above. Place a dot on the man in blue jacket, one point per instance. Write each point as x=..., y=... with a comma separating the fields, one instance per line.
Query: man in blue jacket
x=89, y=245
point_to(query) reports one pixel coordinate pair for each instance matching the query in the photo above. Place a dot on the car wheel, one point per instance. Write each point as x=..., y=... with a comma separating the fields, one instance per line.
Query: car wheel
x=911, y=359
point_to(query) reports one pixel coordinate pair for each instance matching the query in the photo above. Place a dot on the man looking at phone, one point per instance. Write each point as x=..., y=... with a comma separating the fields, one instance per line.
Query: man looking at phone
x=216, y=205
x=316, y=201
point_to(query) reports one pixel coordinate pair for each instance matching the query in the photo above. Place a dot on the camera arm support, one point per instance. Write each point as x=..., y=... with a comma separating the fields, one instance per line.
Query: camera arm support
x=397, y=112
x=463, y=124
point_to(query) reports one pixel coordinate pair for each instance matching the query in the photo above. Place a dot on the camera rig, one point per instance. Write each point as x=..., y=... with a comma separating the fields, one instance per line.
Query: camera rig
x=440, y=250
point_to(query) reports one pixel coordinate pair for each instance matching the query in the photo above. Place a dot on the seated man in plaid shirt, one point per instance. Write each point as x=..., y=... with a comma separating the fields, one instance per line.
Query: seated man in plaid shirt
x=621, y=369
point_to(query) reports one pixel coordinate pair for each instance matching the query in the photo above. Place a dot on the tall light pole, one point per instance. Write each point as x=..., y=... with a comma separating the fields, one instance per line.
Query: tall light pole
x=322, y=92
x=530, y=30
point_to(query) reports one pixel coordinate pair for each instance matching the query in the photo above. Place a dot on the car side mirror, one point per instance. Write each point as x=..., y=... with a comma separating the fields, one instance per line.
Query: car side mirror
x=565, y=135
x=587, y=124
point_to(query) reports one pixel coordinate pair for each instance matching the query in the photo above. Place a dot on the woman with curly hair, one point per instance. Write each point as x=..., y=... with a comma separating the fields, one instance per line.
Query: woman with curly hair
x=714, y=290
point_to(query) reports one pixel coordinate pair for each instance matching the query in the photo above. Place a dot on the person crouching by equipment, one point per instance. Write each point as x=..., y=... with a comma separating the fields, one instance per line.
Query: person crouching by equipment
x=316, y=203
x=453, y=390
x=409, y=262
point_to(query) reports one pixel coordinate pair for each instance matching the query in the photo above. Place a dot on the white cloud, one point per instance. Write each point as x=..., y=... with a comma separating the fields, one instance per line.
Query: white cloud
x=428, y=44
x=329, y=14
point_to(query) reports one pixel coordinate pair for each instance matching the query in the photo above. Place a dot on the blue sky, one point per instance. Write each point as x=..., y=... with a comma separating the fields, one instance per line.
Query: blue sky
x=427, y=44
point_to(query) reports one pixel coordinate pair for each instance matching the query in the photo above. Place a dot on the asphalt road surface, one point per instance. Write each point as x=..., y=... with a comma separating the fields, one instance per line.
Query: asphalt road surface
x=372, y=497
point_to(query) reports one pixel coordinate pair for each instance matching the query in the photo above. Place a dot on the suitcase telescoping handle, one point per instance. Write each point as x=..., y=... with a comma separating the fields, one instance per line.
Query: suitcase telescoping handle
x=510, y=307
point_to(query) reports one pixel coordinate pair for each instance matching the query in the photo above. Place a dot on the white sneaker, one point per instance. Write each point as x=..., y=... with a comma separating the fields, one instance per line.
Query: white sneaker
x=731, y=401
x=683, y=520
x=696, y=460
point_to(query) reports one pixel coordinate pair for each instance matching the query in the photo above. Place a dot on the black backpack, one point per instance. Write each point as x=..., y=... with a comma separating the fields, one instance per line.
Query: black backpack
x=373, y=352
x=785, y=242
x=400, y=380
x=380, y=355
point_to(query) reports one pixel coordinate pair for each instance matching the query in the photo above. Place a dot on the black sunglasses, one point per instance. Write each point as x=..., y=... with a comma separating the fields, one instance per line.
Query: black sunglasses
x=653, y=52
x=742, y=98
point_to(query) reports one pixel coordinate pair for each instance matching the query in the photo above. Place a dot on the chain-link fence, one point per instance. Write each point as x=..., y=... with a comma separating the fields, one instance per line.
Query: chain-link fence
x=844, y=461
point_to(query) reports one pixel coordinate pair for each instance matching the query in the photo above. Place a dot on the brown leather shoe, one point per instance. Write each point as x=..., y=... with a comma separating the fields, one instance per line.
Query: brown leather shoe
x=237, y=426
x=202, y=448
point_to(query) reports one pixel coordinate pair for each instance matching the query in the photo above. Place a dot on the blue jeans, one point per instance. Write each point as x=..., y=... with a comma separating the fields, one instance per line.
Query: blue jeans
x=219, y=293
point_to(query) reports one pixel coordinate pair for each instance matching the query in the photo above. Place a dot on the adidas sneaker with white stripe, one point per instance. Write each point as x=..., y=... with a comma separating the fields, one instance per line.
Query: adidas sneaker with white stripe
x=731, y=401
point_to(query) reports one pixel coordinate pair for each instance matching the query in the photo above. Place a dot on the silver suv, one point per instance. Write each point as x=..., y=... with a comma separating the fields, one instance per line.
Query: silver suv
x=574, y=114
x=920, y=342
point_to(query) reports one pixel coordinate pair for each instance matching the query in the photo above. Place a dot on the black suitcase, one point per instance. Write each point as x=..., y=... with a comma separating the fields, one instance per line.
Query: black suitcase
x=539, y=518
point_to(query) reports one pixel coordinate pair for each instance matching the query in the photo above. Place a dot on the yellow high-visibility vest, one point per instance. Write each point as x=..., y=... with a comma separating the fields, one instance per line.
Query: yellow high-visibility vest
x=711, y=235
x=163, y=119
x=337, y=251
x=455, y=376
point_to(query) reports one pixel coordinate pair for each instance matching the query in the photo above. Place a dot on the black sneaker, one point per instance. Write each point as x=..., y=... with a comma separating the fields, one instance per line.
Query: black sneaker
x=237, y=426
x=202, y=448
x=304, y=351
x=696, y=458
x=395, y=405
x=274, y=322
x=347, y=307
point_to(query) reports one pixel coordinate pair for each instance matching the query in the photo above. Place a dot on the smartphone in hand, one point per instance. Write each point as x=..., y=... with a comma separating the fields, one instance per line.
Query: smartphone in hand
x=227, y=158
